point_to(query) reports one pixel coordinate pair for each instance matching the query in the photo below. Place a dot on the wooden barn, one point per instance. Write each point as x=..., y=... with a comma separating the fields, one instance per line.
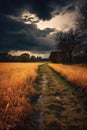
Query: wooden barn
x=57, y=56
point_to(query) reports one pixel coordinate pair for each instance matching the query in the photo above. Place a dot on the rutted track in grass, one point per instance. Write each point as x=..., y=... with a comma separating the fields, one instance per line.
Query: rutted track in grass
x=55, y=105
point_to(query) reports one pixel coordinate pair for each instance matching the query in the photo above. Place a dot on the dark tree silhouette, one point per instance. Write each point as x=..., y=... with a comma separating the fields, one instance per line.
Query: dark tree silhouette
x=25, y=57
x=39, y=58
x=66, y=41
x=33, y=58
x=82, y=24
x=5, y=56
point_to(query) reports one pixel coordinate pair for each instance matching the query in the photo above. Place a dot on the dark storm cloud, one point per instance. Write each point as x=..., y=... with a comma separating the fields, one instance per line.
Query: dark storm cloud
x=45, y=32
x=42, y=8
x=16, y=35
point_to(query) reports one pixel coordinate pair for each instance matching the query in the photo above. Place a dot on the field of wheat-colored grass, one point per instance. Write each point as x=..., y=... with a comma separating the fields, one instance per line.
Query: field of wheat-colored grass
x=76, y=74
x=16, y=91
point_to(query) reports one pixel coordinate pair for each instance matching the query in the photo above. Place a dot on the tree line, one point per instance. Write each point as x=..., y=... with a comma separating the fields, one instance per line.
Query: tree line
x=75, y=40
x=25, y=57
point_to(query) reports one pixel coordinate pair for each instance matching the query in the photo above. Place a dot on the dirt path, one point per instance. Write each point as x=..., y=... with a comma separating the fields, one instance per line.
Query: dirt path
x=56, y=107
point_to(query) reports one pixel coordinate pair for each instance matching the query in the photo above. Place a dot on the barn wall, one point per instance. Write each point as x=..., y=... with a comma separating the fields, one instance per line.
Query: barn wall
x=57, y=57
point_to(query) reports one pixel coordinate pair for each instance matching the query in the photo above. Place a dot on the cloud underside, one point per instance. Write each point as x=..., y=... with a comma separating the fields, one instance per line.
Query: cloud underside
x=42, y=8
x=15, y=34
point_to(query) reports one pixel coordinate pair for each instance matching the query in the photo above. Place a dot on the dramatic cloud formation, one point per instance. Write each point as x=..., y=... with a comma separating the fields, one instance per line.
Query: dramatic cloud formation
x=28, y=25
x=19, y=36
x=42, y=8
x=60, y=22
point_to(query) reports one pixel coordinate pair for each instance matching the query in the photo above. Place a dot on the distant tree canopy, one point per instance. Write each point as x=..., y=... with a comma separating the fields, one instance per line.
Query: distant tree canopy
x=33, y=58
x=5, y=56
x=25, y=57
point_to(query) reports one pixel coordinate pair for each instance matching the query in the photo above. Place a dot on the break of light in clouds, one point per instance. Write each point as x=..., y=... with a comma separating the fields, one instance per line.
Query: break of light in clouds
x=29, y=18
x=61, y=22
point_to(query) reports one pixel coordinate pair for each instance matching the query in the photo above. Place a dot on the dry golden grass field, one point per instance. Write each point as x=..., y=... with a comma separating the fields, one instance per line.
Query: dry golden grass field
x=76, y=74
x=16, y=90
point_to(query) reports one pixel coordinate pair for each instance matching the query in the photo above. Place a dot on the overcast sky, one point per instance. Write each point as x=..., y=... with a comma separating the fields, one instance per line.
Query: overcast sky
x=31, y=25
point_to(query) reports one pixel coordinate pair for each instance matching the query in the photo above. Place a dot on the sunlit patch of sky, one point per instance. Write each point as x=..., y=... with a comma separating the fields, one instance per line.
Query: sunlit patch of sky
x=62, y=22
x=41, y=54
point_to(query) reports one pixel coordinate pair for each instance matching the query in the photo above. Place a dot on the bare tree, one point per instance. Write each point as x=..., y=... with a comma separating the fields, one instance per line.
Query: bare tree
x=82, y=23
x=66, y=41
x=82, y=16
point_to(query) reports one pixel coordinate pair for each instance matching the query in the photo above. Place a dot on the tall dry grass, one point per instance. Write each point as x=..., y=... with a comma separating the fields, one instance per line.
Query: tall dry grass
x=16, y=90
x=76, y=74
